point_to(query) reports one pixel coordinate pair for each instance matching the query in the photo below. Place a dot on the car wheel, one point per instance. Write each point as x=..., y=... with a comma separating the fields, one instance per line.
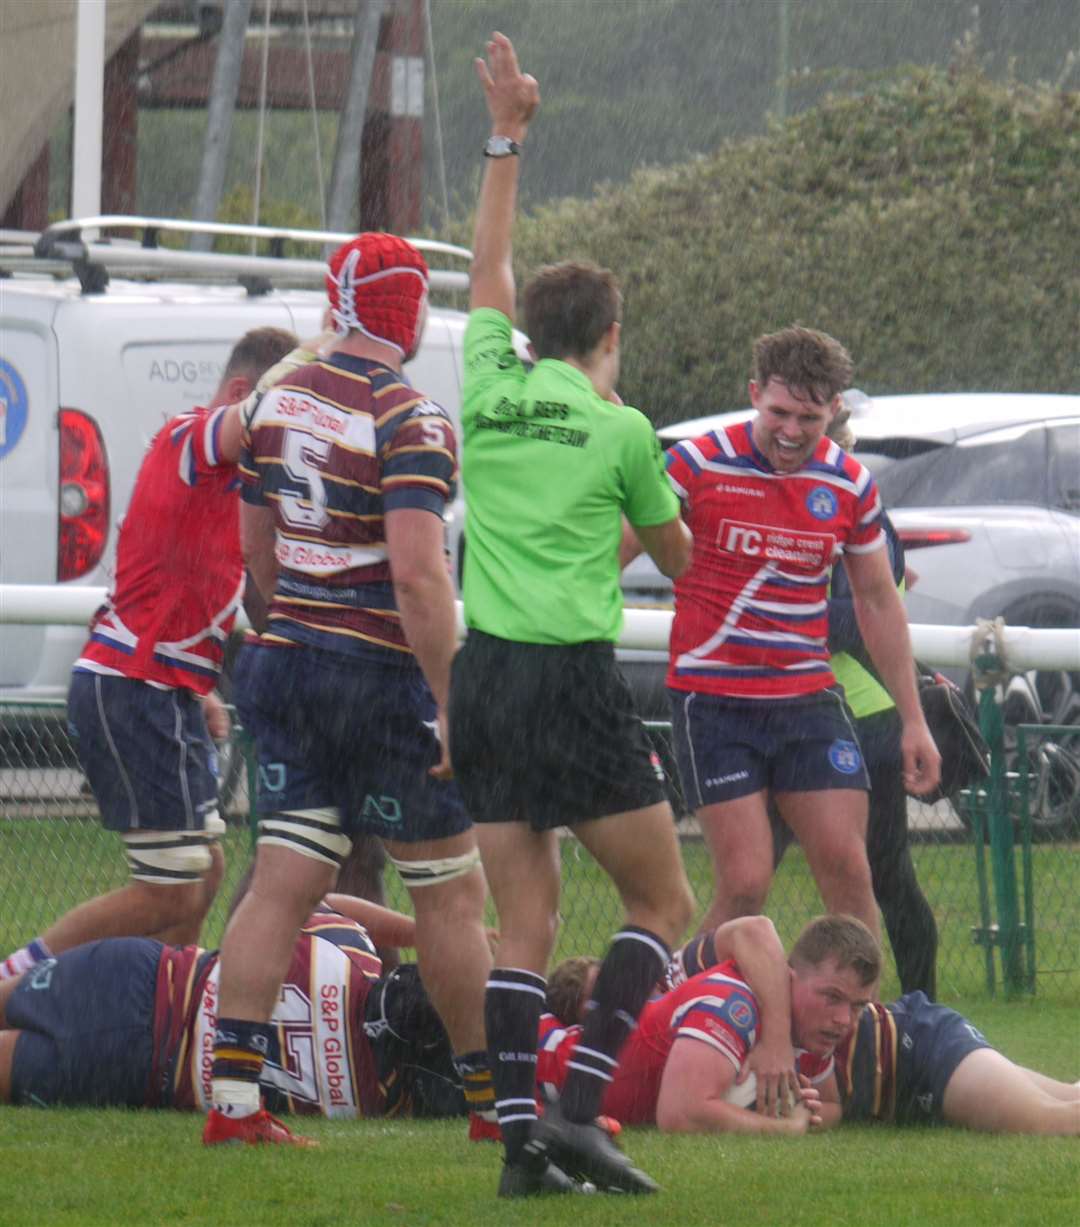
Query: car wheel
x=1048, y=697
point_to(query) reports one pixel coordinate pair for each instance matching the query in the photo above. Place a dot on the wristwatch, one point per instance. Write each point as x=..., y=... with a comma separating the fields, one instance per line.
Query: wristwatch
x=501, y=147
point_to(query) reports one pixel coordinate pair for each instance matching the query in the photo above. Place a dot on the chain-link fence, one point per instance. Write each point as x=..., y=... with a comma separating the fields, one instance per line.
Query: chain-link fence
x=54, y=854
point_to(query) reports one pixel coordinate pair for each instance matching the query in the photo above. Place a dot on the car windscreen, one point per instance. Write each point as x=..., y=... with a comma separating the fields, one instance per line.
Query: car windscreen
x=1000, y=467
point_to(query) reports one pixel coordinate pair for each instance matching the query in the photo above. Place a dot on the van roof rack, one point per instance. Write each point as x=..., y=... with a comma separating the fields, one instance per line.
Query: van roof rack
x=65, y=247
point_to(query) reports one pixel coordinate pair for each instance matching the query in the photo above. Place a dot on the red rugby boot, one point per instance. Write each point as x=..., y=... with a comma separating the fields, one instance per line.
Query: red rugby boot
x=256, y=1130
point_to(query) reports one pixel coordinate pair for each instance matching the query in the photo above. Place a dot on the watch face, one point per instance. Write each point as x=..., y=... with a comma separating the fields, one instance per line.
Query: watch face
x=500, y=147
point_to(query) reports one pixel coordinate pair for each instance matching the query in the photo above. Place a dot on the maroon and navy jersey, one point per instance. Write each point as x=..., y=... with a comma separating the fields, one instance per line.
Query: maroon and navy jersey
x=179, y=573
x=331, y=450
x=319, y=1061
x=751, y=610
x=715, y=1007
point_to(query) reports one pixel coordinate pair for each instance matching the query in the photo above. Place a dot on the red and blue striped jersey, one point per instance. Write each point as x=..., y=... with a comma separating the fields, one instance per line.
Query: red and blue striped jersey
x=715, y=1007
x=179, y=573
x=332, y=449
x=319, y=1061
x=751, y=610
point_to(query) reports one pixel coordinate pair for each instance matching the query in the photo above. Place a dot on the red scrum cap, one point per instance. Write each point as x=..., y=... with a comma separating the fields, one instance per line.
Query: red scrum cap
x=378, y=284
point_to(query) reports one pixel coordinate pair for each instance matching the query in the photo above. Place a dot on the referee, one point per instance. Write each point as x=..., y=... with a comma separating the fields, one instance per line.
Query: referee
x=543, y=733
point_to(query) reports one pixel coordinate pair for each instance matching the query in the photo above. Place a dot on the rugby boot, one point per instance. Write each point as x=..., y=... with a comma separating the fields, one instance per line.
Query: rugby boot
x=256, y=1130
x=481, y=1129
x=530, y=1179
x=587, y=1151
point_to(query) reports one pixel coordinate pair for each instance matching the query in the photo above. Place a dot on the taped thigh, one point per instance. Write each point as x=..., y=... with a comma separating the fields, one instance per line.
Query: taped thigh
x=432, y=872
x=315, y=833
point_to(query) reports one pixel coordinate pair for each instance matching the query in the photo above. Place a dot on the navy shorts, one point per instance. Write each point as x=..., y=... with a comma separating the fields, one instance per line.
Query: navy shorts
x=547, y=734
x=353, y=734
x=729, y=748
x=932, y=1040
x=146, y=752
x=87, y=1026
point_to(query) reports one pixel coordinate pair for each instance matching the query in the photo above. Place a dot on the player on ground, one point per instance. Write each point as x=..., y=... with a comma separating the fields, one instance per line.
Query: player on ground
x=908, y=1062
x=141, y=702
x=542, y=724
x=130, y=1022
x=773, y=505
x=348, y=470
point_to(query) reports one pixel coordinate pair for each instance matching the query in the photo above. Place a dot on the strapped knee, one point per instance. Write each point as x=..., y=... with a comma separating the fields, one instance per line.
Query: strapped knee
x=435, y=871
x=314, y=833
x=172, y=858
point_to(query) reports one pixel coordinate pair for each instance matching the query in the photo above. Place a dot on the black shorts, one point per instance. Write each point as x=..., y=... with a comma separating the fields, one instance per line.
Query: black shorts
x=547, y=734
x=932, y=1040
x=87, y=1026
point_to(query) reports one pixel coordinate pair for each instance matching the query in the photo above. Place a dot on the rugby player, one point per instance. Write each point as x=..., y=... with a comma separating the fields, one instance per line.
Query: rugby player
x=773, y=505
x=908, y=1062
x=141, y=702
x=130, y=1022
x=543, y=729
x=347, y=473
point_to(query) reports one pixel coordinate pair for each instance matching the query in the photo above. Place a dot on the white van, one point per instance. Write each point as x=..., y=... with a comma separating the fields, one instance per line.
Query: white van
x=96, y=351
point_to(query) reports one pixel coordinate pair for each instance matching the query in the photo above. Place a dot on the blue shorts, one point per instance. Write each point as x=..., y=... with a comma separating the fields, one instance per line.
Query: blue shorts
x=932, y=1040
x=354, y=734
x=87, y=1026
x=146, y=752
x=730, y=748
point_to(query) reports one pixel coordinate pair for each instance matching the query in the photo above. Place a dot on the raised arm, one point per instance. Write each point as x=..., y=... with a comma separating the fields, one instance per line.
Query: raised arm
x=512, y=99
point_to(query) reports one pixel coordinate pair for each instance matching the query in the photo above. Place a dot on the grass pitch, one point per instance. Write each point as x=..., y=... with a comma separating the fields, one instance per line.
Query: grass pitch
x=83, y=1167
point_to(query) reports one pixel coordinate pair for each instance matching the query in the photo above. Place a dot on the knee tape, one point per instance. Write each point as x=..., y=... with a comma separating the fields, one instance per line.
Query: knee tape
x=172, y=858
x=431, y=873
x=315, y=833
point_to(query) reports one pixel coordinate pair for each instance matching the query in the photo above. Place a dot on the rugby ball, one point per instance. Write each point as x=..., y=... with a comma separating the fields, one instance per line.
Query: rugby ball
x=743, y=1094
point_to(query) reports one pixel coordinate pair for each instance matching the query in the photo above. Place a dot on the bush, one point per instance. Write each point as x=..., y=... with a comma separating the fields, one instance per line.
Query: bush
x=931, y=224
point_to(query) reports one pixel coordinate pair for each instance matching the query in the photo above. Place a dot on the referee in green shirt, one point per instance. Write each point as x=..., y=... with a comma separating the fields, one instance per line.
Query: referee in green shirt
x=543, y=733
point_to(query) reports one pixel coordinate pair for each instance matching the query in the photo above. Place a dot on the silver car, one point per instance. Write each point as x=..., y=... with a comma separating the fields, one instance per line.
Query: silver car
x=984, y=490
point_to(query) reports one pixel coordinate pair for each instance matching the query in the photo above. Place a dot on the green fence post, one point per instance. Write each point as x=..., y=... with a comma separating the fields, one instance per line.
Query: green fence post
x=973, y=801
x=1003, y=861
x=1027, y=820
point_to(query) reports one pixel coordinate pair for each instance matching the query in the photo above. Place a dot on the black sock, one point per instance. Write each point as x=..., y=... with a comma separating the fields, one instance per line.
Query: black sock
x=513, y=1004
x=628, y=974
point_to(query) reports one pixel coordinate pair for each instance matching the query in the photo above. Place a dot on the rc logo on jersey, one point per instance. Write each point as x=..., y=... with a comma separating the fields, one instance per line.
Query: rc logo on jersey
x=821, y=503
x=845, y=757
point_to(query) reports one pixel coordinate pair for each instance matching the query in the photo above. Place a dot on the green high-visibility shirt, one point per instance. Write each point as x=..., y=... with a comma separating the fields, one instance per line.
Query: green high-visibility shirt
x=548, y=468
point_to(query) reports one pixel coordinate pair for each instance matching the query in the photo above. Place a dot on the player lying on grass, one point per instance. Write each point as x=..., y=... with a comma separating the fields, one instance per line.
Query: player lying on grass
x=130, y=1022
x=908, y=1062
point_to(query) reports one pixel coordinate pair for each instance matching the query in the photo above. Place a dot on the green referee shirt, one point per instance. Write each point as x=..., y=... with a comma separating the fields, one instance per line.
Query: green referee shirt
x=548, y=469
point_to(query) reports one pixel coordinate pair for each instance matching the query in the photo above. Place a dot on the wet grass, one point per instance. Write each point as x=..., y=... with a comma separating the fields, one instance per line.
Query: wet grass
x=130, y=1168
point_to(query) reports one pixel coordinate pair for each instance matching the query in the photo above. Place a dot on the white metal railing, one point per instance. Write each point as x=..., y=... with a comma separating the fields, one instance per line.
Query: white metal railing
x=644, y=629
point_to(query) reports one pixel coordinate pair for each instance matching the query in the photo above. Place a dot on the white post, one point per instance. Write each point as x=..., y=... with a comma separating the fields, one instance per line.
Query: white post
x=89, y=109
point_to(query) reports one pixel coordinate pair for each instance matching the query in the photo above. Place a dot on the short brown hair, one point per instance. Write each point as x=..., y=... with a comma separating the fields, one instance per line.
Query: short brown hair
x=566, y=989
x=808, y=362
x=569, y=307
x=843, y=939
x=257, y=351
